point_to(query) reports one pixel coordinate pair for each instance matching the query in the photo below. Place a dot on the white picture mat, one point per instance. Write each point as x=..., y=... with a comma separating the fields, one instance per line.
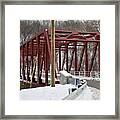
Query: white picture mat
x=104, y=13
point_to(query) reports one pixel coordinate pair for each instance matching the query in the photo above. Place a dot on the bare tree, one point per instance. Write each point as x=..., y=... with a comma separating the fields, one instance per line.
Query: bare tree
x=30, y=27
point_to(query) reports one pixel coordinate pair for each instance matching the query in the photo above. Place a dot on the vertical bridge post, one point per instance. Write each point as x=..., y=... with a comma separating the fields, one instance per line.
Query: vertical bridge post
x=52, y=53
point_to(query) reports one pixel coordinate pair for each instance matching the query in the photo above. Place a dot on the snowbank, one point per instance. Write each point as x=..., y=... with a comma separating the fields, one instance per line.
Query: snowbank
x=89, y=93
x=65, y=73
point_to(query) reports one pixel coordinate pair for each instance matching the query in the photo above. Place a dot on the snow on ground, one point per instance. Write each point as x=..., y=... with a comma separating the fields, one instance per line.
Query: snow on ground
x=89, y=93
x=58, y=93
x=46, y=93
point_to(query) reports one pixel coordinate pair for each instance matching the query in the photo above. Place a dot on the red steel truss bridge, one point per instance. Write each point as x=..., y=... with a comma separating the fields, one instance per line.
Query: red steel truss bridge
x=77, y=51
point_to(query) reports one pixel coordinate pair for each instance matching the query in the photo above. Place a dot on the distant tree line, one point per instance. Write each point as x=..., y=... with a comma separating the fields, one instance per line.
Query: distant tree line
x=28, y=28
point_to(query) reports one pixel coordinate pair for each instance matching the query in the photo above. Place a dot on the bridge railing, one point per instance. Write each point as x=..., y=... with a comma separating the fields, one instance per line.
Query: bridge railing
x=94, y=74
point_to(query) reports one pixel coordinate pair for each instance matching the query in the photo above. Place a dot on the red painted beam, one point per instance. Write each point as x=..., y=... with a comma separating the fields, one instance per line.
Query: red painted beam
x=46, y=62
x=81, y=58
x=47, y=42
x=99, y=55
x=93, y=57
x=86, y=59
x=41, y=67
x=71, y=59
x=82, y=39
x=67, y=58
x=38, y=55
x=31, y=56
x=27, y=61
x=59, y=58
x=76, y=40
x=75, y=56
x=63, y=62
x=62, y=31
x=20, y=66
x=23, y=69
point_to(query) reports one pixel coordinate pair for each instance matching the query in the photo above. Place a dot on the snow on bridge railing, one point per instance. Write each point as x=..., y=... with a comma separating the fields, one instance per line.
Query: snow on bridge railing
x=94, y=74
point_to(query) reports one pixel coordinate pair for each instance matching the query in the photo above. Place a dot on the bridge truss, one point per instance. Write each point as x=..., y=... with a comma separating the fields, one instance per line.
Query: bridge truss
x=75, y=51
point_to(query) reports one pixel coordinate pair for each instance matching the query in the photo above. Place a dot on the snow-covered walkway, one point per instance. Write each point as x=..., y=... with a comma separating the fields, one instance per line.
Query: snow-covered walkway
x=58, y=93
x=46, y=93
